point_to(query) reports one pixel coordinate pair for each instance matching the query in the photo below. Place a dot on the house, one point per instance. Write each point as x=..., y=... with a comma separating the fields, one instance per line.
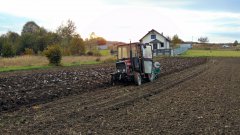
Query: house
x=157, y=40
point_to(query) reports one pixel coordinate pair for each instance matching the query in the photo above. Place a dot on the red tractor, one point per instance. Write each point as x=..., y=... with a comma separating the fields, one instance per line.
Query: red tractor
x=135, y=63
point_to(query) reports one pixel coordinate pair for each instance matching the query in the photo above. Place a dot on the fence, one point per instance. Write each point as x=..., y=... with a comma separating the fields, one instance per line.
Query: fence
x=157, y=52
x=170, y=52
x=180, y=50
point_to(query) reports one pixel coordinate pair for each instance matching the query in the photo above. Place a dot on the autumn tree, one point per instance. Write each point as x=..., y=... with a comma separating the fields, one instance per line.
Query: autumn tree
x=101, y=41
x=176, y=40
x=94, y=41
x=77, y=46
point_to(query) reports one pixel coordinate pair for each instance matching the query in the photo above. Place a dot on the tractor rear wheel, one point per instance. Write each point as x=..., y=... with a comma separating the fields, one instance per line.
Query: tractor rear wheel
x=137, y=79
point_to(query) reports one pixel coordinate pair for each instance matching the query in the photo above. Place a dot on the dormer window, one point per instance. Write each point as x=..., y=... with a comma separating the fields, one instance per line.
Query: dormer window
x=153, y=36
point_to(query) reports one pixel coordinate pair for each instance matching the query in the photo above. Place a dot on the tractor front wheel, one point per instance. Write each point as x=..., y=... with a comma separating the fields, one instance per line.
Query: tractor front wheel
x=151, y=77
x=137, y=79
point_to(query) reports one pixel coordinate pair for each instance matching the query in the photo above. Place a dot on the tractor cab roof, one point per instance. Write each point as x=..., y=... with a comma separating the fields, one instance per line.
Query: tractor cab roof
x=135, y=43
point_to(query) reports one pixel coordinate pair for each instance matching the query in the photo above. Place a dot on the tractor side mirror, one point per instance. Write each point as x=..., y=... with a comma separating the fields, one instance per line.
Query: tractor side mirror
x=157, y=64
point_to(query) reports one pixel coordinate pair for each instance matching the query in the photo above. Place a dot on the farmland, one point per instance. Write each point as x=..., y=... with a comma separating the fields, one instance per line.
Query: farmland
x=192, y=96
x=211, y=53
x=27, y=88
x=30, y=62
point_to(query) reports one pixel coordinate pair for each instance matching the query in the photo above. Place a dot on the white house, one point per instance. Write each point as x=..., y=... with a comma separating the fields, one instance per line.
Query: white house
x=156, y=39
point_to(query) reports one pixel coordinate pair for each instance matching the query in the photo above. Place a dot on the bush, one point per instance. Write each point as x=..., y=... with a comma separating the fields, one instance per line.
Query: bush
x=7, y=50
x=28, y=51
x=98, y=59
x=97, y=54
x=110, y=60
x=90, y=53
x=54, y=55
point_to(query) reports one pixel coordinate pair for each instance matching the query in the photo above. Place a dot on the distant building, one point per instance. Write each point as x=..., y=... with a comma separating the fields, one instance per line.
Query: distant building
x=102, y=47
x=157, y=40
x=160, y=44
x=225, y=46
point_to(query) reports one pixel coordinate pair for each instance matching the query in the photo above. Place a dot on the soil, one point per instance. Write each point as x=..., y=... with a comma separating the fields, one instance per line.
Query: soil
x=202, y=99
x=28, y=88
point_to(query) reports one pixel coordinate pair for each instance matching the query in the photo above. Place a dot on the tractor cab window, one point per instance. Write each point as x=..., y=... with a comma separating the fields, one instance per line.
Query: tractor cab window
x=147, y=52
x=124, y=51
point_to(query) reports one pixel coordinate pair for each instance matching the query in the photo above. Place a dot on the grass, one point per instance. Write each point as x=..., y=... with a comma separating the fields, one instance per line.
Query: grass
x=41, y=62
x=17, y=68
x=211, y=53
x=105, y=52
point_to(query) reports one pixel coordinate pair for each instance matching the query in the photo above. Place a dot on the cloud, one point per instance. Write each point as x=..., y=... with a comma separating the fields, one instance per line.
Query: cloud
x=215, y=5
x=124, y=20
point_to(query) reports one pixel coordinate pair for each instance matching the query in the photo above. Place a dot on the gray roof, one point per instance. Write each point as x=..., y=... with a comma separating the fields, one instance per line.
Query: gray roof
x=156, y=32
x=155, y=41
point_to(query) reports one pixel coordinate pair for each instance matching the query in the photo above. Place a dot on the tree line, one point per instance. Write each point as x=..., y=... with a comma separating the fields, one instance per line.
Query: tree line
x=35, y=39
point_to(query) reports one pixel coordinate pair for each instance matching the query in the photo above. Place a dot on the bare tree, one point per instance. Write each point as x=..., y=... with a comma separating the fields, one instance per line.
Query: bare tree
x=203, y=39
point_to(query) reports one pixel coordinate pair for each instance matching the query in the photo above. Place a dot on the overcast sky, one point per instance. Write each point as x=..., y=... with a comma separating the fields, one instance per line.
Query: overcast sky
x=129, y=19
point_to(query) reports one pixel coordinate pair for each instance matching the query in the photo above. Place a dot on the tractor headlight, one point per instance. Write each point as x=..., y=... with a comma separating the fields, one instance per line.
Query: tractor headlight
x=124, y=70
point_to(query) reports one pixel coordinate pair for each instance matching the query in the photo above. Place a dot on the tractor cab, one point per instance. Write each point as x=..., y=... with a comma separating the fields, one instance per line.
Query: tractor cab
x=135, y=63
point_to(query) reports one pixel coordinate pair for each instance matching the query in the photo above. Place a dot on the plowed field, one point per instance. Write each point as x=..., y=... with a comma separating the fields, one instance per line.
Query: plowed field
x=191, y=97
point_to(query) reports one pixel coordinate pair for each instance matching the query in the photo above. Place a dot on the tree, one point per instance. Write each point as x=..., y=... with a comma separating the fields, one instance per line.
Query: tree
x=77, y=46
x=67, y=30
x=30, y=27
x=27, y=41
x=13, y=39
x=235, y=43
x=93, y=42
x=203, y=39
x=101, y=41
x=52, y=38
x=7, y=50
x=176, y=40
x=2, y=40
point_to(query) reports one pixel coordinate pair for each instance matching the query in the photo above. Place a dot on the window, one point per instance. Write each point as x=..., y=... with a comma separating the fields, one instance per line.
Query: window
x=124, y=51
x=153, y=36
x=147, y=52
x=162, y=45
